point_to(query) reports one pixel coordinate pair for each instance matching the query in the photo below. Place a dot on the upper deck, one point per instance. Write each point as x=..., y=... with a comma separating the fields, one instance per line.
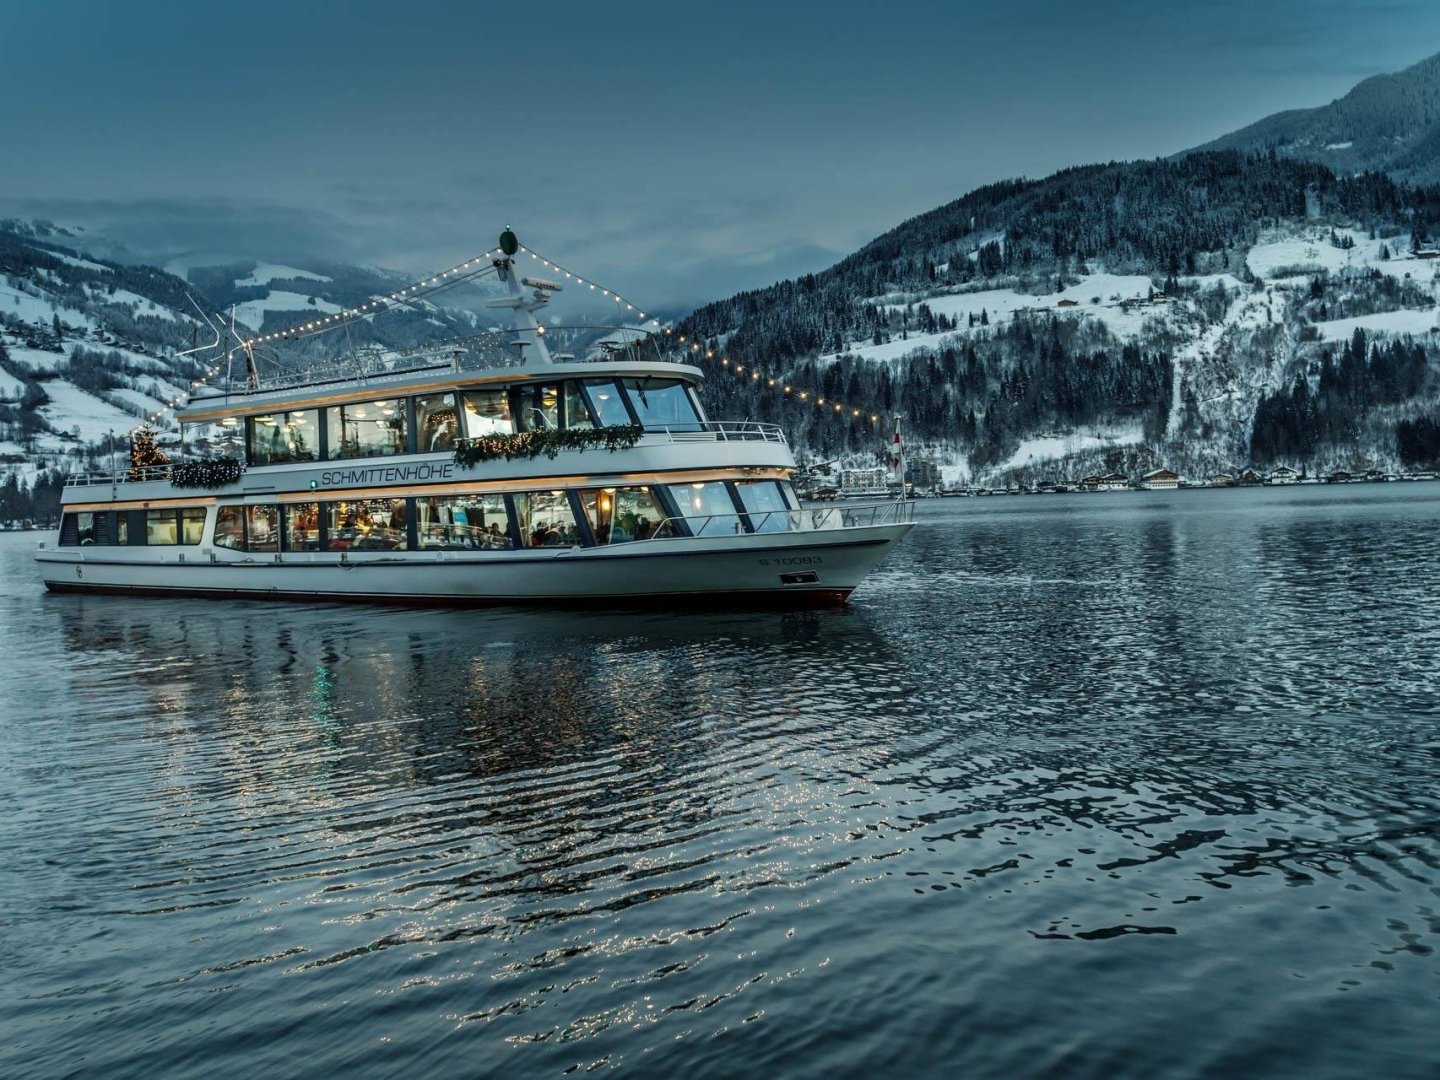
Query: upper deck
x=234, y=403
x=562, y=423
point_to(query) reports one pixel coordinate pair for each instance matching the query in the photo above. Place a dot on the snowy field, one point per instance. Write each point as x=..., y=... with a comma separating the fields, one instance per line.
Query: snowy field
x=36, y=359
x=11, y=388
x=1284, y=253
x=1053, y=447
x=32, y=309
x=252, y=313
x=265, y=273
x=143, y=402
x=71, y=408
x=1078, y=301
x=1386, y=322
x=140, y=304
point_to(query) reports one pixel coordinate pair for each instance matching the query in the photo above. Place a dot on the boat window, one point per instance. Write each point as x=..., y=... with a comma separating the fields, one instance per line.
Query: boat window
x=468, y=522
x=122, y=527
x=85, y=528
x=538, y=406
x=366, y=429
x=707, y=508
x=663, y=403
x=765, y=505
x=262, y=528
x=576, y=413
x=160, y=527
x=302, y=526
x=365, y=525
x=546, y=520
x=192, y=524
x=620, y=515
x=277, y=438
x=101, y=533
x=605, y=399
x=435, y=422
x=230, y=527
x=487, y=412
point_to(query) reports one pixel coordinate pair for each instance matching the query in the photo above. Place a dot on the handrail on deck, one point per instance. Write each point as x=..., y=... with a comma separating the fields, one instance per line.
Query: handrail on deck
x=132, y=475
x=806, y=519
x=720, y=431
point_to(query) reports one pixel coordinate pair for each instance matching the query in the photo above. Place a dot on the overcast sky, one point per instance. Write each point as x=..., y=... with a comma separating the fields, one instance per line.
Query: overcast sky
x=679, y=151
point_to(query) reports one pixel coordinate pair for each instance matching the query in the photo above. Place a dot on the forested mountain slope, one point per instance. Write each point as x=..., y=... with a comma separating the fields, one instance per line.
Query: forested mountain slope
x=1142, y=313
x=1388, y=123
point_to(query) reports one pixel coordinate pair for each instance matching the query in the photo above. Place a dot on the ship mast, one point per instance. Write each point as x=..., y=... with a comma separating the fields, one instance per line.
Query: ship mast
x=528, y=331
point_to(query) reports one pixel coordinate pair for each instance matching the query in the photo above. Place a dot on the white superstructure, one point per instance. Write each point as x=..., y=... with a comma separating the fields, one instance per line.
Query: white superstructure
x=562, y=482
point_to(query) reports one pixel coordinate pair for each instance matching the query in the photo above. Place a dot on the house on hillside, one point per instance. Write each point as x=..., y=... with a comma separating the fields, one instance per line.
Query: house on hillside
x=1114, y=482
x=1160, y=480
x=1222, y=479
x=1251, y=478
x=1088, y=483
x=1067, y=302
x=1283, y=475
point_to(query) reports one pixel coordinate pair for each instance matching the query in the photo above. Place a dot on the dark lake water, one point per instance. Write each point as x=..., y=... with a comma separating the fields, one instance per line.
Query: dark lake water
x=1137, y=785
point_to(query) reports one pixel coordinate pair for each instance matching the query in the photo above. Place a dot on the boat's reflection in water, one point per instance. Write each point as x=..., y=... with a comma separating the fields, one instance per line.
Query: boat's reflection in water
x=400, y=698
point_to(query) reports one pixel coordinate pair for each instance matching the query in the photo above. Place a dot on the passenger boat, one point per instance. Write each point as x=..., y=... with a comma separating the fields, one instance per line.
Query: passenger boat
x=550, y=480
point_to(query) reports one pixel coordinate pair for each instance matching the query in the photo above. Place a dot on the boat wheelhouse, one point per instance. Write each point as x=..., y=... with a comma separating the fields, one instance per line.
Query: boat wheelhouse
x=545, y=481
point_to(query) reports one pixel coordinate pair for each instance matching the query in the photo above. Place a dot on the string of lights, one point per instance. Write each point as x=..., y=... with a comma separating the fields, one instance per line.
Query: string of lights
x=769, y=381
x=458, y=274
x=755, y=375
x=435, y=283
x=377, y=305
x=609, y=294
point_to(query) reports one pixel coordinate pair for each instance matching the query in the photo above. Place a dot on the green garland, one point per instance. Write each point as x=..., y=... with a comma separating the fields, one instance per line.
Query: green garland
x=215, y=473
x=532, y=444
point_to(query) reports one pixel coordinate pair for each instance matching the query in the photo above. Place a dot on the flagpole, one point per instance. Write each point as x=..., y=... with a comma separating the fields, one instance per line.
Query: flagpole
x=897, y=458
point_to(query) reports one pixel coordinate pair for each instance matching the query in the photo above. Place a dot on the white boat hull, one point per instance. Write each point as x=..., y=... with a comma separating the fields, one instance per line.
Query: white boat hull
x=801, y=568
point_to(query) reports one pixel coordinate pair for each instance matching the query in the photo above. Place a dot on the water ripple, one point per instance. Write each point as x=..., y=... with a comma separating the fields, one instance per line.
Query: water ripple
x=1086, y=787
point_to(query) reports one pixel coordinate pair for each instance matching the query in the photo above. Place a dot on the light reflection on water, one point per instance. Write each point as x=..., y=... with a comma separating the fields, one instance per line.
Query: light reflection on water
x=1135, y=785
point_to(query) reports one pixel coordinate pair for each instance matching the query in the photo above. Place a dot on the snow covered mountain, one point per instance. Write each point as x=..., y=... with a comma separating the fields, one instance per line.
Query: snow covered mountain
x=91, y=347
x=1208, y=313
x=1388, y=123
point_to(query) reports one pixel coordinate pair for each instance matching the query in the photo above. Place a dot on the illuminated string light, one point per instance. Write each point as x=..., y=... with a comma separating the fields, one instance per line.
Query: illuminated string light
x=375, y=304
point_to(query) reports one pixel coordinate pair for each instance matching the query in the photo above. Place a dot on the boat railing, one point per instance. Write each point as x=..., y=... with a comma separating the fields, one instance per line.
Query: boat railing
x=805, y=519
x=135, y=474
x=719, y=431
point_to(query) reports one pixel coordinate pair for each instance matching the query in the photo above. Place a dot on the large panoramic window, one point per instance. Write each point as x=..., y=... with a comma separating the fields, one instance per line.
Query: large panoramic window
x=365, y=525
x=466, y=522
x=765, y=505
x=546, y=520
x=576, y=414
x=604, y=395
x=262, y=528
x=707, y=508
x=538, y=405
x=161, y=527
x=620, y=515
x=435, y=422
x=302, y=526
x=366, y=429
x=662, y=403
x=230, y=527
x=277, y=438
x=487, y=412
x=192, y=524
